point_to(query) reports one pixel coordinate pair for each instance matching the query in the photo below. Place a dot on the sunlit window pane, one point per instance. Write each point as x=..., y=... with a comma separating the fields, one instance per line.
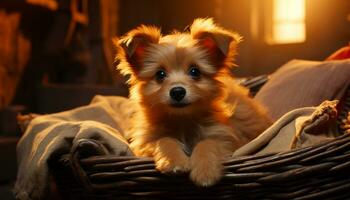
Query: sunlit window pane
x=288, y=22
x=289, y=32
x=289, y=10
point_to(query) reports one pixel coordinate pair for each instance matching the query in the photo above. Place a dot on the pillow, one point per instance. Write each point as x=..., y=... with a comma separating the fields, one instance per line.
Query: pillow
x=301, y=83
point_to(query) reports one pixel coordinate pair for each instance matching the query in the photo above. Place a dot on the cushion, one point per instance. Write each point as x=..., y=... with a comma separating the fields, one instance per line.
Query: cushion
x=301, y=83
x=342, y=53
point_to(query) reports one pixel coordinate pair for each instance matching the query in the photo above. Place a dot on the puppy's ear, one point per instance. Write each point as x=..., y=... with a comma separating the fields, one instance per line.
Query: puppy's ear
x=132, y=48
x=220, y=44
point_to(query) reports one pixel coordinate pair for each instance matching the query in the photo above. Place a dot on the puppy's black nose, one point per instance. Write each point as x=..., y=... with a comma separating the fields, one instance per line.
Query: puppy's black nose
x=177, y=93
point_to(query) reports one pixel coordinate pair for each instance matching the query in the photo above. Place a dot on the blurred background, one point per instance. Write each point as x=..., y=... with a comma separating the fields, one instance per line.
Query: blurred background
x=57, y=54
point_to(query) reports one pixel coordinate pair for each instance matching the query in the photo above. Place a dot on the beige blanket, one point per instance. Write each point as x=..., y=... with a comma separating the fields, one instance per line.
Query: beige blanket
x=298, y=128
x=104, y=119
x=107, y=118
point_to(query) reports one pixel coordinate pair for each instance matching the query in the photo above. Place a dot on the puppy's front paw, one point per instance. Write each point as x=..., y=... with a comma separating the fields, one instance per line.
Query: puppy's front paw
x=169, y=156
x=172, y=163
x=205, y=173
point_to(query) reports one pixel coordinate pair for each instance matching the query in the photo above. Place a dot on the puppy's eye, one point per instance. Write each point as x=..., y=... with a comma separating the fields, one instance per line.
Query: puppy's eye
x=194, y=72
x=160, y=75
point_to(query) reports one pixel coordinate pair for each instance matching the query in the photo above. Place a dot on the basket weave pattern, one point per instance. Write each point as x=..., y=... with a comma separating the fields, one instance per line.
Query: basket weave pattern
x=317, y=172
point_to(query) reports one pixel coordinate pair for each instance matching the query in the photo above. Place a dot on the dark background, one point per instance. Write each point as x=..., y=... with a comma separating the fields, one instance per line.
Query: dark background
x=40, y=72
x=327, y=27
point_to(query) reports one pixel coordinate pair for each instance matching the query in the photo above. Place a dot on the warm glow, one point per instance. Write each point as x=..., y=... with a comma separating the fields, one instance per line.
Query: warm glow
x=288, y=22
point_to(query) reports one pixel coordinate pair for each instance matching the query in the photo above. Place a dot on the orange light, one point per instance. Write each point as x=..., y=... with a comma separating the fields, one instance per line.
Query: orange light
x=288, y=22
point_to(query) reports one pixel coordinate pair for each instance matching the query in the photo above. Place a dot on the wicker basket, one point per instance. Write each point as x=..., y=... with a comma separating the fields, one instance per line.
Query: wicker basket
x=317, y=172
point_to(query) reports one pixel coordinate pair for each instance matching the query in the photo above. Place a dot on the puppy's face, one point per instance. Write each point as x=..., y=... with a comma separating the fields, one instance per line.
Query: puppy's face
x=177, y=73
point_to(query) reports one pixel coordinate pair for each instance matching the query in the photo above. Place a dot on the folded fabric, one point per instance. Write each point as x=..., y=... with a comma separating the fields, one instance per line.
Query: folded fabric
x=298, y=128
x=105, y=119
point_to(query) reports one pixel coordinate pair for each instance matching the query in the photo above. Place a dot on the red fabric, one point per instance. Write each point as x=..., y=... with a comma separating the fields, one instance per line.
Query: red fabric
x=342, y=53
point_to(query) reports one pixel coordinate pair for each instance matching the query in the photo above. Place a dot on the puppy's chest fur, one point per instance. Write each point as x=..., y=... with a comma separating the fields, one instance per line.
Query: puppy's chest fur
x=188, y=131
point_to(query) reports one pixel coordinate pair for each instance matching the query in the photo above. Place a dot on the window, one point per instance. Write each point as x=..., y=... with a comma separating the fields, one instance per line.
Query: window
x=286, y=24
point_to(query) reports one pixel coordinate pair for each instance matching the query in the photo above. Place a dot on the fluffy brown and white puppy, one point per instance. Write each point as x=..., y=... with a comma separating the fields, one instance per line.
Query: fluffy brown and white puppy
x=187, y=98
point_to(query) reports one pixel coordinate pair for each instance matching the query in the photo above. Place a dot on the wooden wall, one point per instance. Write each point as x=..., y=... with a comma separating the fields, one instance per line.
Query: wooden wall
x=15, y=50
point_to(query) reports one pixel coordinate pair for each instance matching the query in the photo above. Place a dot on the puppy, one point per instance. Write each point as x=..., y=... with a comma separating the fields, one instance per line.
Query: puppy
x=187, y=98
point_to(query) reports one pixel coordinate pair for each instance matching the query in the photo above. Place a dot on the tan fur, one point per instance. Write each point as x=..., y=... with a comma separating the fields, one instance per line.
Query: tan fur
x=218, y=118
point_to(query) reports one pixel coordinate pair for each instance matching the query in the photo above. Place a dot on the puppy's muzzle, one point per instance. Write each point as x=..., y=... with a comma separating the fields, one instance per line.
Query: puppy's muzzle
x=177, y=93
